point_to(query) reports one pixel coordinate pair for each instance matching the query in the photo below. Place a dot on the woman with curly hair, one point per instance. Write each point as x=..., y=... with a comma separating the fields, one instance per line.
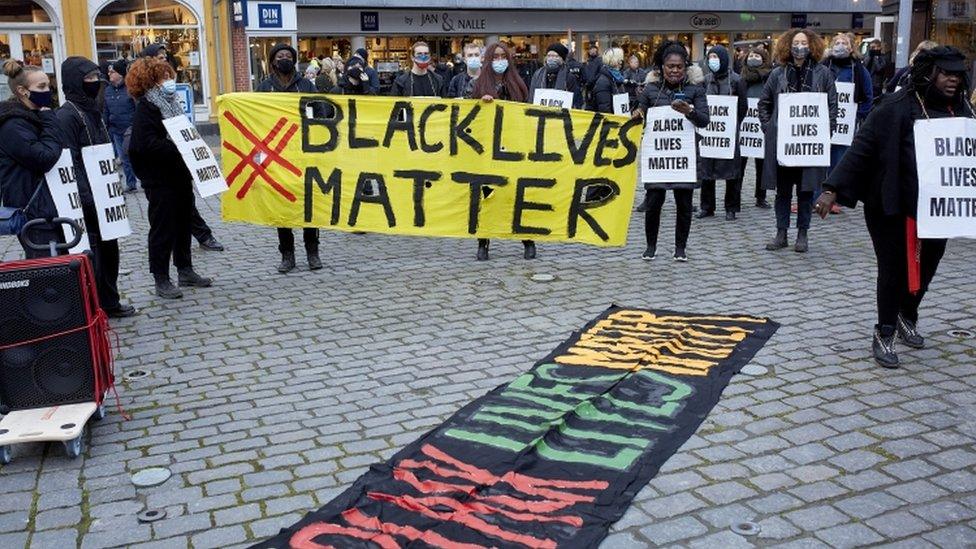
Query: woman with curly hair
x=798, y=52
x=165, y=177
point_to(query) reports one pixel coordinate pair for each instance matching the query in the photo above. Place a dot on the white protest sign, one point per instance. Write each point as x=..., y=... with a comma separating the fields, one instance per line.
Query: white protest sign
x=621, y=103
x=553, y=98
x=718, y=137
x=63, y=185
x=668, y=147
x=803, y=130
x=945, y=153
x=846, y=115
x=197, y=155
x=101, y=168
x=752, y=140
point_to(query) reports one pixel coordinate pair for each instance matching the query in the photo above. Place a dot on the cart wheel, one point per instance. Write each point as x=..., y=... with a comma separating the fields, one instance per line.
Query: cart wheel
x=73, y=447
x=99, y=413
x=5, y=456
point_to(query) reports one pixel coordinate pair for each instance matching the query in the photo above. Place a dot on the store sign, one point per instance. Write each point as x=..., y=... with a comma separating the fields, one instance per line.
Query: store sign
x=798, y=20
x=184, y=94
x=446, y=22
x=369, y=21
x=269, y=16
x=705, y=21
x=238, y=9
x=857, y=20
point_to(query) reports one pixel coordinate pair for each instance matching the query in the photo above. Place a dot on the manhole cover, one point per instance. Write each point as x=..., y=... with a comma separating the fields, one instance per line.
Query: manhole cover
x=542, y=277
x=133, y=375
x=487, y=282
x=151, y=515
x=841, y=348
x=962, y=334
x=746, y=528
x=754, y=370
x=153, y=476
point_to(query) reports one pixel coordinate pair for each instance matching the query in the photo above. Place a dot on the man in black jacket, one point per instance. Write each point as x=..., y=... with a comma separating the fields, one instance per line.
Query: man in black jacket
x=419, y=81
x=284, y=78
x=371, y=81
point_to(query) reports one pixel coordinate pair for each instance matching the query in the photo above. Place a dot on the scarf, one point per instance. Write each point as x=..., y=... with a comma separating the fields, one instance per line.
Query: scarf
x=857, y=75
x=754, y=75
x=168, y=106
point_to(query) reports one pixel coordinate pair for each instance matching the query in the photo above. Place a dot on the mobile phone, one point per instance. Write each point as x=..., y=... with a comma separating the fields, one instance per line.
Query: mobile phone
x=680, y=96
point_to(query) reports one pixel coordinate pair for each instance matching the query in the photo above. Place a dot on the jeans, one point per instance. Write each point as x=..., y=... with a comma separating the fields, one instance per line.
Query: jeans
x=652, y=218
x=130, y=177
x=786, y=179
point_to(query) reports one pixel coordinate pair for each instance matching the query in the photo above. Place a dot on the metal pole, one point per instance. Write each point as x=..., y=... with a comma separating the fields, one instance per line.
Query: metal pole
x=904, y=32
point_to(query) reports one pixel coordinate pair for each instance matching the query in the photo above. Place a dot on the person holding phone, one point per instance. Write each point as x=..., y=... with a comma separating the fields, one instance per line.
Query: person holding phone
x=675, y=83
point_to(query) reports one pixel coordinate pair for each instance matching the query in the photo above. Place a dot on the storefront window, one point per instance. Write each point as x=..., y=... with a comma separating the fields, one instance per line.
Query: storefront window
x=125, y=27
x=29, y=38
x=22, y=11
x=260, y=49
x=955, y=25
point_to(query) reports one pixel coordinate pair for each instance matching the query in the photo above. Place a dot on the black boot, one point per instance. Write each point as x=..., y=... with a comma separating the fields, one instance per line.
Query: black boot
x=287, y=262
x=704, y=213
x=883, y=348
x=642, y=207
x=801, y=246
x=779, y=242
x=314, y=261
x=730, y=216
x=529, y=249
x=483, y=249
x=908, y=333
x=761, y=203
x=189, y=277
x=166, y=290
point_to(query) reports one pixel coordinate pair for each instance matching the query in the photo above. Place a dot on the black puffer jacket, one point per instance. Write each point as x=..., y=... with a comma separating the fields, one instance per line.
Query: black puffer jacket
x=604, y=88
x=30, y=145
x=154, y=157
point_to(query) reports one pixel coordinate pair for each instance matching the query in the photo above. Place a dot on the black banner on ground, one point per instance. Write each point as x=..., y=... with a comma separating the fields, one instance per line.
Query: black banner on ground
x=553, y=458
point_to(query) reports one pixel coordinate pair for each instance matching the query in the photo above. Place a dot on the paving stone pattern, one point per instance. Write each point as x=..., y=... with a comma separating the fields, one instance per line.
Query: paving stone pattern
x=270, y=394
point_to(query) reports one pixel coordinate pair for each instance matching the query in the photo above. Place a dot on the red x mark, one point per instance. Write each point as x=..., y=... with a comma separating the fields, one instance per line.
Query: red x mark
x=270, y=155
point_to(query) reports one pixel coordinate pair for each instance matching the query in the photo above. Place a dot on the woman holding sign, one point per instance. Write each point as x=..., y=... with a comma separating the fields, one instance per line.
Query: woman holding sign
x=82, y=126
x=797, y=51
x=669, y=85
x=30, y=145
x=164, y=175
x=754, y=73
x=880, y=170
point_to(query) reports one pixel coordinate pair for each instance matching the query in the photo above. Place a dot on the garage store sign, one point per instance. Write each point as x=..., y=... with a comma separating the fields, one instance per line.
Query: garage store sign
x=705, y=21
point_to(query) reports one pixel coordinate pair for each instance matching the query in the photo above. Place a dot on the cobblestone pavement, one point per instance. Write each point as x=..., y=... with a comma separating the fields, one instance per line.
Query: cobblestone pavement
x=270, y=394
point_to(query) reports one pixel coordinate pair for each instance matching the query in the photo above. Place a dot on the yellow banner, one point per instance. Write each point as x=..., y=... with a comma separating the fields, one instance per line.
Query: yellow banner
x=428, y=167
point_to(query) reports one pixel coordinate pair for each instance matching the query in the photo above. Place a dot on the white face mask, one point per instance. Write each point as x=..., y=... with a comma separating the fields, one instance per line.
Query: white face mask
x=168, y=86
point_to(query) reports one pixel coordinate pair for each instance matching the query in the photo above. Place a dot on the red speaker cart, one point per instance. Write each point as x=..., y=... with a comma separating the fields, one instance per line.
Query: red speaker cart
x=55, y=356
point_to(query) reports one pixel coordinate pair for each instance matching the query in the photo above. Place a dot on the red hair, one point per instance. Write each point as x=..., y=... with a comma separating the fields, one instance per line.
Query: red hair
x=488, y=81
x=145, y=73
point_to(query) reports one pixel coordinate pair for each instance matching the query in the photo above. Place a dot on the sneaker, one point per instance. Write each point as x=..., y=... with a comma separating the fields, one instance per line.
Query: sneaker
x=649, y=254
x=680, y=255
x=883, y=348
x=908, y=333
x=166, y=290
x=212, y=244
x=121, y=311
x=188, y=277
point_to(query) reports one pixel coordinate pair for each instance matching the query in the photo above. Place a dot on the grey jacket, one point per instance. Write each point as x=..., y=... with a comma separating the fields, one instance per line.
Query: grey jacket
x=717, y=168
x=821, y=81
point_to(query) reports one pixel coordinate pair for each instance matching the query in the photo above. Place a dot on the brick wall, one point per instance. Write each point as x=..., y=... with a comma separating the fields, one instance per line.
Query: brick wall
x=238, y=44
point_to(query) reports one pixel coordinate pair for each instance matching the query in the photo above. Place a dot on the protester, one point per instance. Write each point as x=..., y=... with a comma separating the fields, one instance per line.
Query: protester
x=720, y=80
x=796, y=50
x=443, y=71
x=634, y=77
x=755, y=71
x=118, y=111
x=555, y=75
x=672, y=82
x=80, y=120
x=200, y=229
x=739, y=59
x=30, y=145
x=311, y=72
x=880, y=171
x=327, y=80
x=609, y=82
x=590, y=71
x=356, y=81
x=371, y=81
x=902, y=76
x=501, y=81
x=419, y=81
x=877, y=67
x=472, y=64
x=285, y=79
x=165, y=177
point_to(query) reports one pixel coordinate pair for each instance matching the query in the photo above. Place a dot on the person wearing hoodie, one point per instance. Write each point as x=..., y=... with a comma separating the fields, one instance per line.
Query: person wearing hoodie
x=164, y=175
x=30, y=145
x=555, y=75
x=609, y=82
x=472, y=65
x=676, y=83
x=117, y=113
x=877, y=66
x=755, y=71
x=880, y=171
x=371, y=80
x=199, y=227
x=80, y=120
x=796, y=51
x=285, y=79
x=720, y=80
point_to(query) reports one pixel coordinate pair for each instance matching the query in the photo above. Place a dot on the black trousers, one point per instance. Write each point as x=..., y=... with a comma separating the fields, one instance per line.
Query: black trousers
x=760, y=191
x=201, y=231
x=170, y=218
x=733, y=195
x=286, y=241
x=652, y=218
x=888, y=236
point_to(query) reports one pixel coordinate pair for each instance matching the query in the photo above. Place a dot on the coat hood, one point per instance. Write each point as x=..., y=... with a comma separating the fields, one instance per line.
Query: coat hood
x=693, y=75
x=12, y=108
x=73, y=71
x=723, y=58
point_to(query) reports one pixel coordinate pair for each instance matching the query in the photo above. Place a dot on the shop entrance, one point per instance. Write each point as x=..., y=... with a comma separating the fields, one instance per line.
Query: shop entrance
x=27, y=34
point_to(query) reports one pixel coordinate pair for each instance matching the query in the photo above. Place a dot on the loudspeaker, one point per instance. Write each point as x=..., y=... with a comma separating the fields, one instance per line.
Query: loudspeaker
x=39, y=299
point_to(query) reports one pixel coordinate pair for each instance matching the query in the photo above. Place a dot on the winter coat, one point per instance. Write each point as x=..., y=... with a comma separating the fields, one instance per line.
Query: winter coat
x=877, y=66
x=565, y=81
x=821, y=81
x=119, y=108
x=863, y=90
x=657, y=94
x=605, y=87
x=298, y=83
x=403, y=85
x=153, y=155
x=879, y=169
x=30, y=145
x=459, y=85
x=717, y=168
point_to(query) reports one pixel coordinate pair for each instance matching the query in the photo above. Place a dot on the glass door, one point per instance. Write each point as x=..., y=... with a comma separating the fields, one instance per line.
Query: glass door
x=5, y=92
x=38, y=49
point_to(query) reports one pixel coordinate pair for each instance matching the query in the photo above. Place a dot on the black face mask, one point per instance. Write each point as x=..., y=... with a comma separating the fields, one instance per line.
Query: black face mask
x=91, y=89
x=285, y=66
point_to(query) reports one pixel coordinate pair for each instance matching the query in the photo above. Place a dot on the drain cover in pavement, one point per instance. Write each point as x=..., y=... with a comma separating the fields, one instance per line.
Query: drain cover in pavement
x=153, y=476
x=487, y=281
x=132, y=375
x=151, y=515
x=745, y=528
x=962, y=334
x=543, y=277
x=754, y=370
